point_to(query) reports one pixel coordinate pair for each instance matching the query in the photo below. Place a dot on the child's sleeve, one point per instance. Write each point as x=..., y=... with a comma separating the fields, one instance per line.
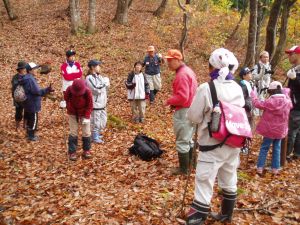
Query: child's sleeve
x=95, y=90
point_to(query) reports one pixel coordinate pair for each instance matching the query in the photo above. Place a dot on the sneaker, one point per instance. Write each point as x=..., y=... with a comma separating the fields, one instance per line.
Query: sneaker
x=259, y=170
x=33, y=138
x=87, y=154
x=73, y=156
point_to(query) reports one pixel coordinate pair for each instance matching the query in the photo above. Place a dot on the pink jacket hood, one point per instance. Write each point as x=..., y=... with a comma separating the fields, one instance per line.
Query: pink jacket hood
x=274, y=121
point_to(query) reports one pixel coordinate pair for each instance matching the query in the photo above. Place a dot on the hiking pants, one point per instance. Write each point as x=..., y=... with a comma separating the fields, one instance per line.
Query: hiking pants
x=138, y=108
x=98, y=120
x=74, y=123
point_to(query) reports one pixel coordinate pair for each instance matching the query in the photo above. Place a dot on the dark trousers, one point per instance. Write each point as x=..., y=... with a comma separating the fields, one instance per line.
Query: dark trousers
x=32, y=121
x=19, y=113
x=294, y=133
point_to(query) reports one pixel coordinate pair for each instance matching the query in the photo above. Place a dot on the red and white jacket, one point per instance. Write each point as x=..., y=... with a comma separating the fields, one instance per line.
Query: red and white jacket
x=69, y=74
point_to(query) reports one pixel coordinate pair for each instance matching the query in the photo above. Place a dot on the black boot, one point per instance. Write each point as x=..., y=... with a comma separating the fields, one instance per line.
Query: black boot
x=183, y=164
x=197, y=214
x=228, y=203
x=86, y=145
x=72, y=143
x=152, y=96
x=31, y=136
x=155, y=92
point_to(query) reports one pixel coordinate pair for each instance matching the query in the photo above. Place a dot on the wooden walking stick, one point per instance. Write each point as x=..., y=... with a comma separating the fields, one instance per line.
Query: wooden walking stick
x=194, y=158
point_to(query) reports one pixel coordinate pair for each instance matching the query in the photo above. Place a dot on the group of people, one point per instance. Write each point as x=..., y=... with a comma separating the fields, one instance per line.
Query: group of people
x=86, y=100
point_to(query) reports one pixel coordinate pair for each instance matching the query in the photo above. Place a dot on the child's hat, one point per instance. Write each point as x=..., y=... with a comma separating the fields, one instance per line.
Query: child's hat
x=94, y=62
x=274, y=85
x=244, y=71
x=150, y=48
x=78, y=87
x=31, y=66
x=70, y=53
x=21, y=65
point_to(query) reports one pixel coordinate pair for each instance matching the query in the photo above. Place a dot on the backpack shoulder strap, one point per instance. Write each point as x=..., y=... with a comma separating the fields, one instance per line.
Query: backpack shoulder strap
x=258, y=68
x=213, y=92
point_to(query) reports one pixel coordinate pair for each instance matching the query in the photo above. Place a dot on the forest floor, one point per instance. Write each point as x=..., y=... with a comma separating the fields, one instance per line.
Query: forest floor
x=39, y=185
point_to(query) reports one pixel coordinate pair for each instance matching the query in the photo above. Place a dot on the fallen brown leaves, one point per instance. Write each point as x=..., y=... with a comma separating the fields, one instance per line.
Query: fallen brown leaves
x=38, y=185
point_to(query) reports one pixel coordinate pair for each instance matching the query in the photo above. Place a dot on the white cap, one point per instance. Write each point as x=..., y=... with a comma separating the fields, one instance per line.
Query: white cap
x=274, y=85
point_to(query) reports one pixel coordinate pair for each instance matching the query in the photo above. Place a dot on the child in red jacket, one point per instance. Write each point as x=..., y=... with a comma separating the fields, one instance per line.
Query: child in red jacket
x=79, y=108
x=70, y=70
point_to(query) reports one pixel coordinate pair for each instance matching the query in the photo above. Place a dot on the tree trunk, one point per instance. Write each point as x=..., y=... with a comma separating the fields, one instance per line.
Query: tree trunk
x=92, y=17
x=250, y=56
x=261, y=11
x=161, y=9
x=77, y=6
x=74, y=17
x=9, y=9
x=271, y=27
x=121, y=16
x=233, y=33
x=130, y=3
x=184, y=34
x=287, y=4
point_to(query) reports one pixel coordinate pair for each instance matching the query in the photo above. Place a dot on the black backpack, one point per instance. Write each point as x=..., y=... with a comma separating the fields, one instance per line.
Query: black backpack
x=146, y=148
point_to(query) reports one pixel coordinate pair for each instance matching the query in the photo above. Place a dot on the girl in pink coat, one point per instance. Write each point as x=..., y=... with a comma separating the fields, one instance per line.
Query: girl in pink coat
x=273, y=125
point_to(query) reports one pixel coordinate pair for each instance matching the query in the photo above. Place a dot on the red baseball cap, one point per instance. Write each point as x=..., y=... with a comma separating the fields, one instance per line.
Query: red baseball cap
x=295, y=49
x=174, y=54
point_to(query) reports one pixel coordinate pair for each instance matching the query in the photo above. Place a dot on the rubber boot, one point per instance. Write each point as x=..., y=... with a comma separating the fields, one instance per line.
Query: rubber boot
x=96, y=138
x=31, y=136
x=228, y=203
x=72, y=147
x=183, y=164
x=86, y=145
x=152, y=96
x=197, y=214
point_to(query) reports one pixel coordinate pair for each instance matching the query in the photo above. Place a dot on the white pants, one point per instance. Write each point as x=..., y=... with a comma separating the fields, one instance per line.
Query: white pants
x=154, y=81
x=221, y=163
x=98, y=120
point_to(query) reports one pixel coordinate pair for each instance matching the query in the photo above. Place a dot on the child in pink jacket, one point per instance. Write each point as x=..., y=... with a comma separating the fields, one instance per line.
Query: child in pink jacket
x=273, y=125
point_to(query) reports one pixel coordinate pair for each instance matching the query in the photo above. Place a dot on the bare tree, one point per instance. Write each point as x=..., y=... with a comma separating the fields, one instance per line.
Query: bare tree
x=184, y=34
x=271, y=27
x=77, y=7
x=287, y=5
x=75, y=17
x=92, y=17
x=130, y=3
x=161, y=9
x=9, y=10
x=250, y=56
x=121, y=16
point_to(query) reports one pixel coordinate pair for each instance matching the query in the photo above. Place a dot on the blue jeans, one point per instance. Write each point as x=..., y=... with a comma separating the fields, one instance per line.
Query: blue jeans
x=265, y=146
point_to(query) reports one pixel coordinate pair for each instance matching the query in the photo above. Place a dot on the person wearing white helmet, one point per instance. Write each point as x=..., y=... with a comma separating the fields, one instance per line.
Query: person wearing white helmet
x=221, y=162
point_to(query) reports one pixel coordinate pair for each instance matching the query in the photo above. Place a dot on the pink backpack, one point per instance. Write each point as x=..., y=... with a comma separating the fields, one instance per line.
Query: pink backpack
x=231, y=127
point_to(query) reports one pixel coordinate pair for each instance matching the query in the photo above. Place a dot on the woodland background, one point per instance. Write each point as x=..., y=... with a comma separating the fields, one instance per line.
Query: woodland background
x=38, y=185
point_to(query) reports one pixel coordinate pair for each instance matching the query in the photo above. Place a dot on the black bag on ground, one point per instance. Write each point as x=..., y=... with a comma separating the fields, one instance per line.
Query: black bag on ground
x=146, y=148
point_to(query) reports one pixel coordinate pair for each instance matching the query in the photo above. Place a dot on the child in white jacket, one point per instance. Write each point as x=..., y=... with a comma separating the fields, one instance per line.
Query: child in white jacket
x=138, y=90
x=99, y=86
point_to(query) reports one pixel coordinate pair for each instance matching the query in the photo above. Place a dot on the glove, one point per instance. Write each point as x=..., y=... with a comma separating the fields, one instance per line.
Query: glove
x=269, y=72
x=85, y=121
x=50, y=89
x=62, y=104
x=292, y=74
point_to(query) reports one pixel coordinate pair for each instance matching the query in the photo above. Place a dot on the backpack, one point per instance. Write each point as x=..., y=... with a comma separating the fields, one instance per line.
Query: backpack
x=19, y=94
x=231, y=127
x=146, y=148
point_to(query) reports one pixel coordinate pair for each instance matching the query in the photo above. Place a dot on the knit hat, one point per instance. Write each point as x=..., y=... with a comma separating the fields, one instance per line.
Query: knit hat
x=263, y=53
x=21, y=65
x=274, y=85
x=78, y=87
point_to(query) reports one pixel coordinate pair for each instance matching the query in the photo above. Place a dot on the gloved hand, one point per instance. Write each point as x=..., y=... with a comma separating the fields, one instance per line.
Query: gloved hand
x=85, y=121
x=292, y=74
x=62, y=104
x=269, y=72
x=50, y=89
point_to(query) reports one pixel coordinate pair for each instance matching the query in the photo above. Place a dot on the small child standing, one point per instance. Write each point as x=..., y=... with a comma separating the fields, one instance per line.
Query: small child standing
x=247, y=87
x=98, y=85
x=79, y=108
x=273, y=125
x=138, y=90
